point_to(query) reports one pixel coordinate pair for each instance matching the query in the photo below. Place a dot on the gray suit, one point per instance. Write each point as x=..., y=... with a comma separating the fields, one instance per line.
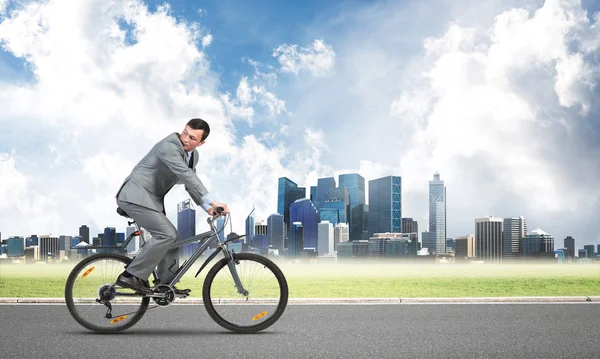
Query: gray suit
x=142, y=196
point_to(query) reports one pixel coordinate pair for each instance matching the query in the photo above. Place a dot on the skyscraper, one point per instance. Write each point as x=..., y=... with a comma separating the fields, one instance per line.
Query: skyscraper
x=385, y=205
x=84, y=233
x=287, y=192
x=275, y=231
x=570, y=246
x=514, y=229
x=488, y=239
x=304, y=211
x=355, y=184
x=325, y=237
x=249, y=228
x=186, y=227
x=409, y=226
x=324, y=185
x=437, y=212
x=313, y=194
x=538, y=244
x=465, y=246
x=296, y=239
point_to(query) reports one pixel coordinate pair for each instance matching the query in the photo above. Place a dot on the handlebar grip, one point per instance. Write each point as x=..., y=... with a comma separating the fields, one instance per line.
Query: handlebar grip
x=220, y=209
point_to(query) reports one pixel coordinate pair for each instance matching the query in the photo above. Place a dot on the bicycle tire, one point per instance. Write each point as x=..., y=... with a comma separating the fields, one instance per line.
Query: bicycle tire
x=222, y=264
x=71, y=305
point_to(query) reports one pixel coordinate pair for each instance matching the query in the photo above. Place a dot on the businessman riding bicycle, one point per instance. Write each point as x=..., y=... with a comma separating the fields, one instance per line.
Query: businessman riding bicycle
x=171, y=161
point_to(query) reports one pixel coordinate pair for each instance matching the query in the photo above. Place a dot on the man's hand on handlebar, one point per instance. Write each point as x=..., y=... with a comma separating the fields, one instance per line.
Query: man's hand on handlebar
x=217, y=209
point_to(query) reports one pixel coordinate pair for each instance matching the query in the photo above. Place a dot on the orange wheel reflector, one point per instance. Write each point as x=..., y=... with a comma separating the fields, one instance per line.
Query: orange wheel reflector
x=116, y=320
x=88, y=272
x=259, y=315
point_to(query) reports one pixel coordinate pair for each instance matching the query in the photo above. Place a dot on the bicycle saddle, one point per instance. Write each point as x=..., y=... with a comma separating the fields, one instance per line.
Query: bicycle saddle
x=121, y=212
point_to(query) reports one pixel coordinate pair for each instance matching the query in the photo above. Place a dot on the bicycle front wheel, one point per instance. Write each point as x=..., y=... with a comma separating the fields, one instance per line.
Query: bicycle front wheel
x=93, y=300
x=264, y=303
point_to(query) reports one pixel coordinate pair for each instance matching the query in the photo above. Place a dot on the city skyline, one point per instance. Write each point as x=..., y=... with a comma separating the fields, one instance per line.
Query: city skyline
x=187, y=214
x=500, y=98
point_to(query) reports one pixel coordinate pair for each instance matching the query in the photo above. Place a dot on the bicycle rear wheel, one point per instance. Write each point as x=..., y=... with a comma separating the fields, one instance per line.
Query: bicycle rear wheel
x=266, y=300
x=90, y=286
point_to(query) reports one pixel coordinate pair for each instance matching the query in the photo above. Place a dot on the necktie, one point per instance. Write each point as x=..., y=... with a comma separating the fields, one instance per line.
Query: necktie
x=191, y=164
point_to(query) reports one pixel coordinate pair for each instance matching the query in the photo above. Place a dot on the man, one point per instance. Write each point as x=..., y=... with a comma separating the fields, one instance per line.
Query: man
x=172, y=160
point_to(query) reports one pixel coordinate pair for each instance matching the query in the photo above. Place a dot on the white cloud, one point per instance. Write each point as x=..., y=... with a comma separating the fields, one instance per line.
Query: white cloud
x=99, y=102
x=207, y=40
x=248, y=94
x=3, y=6
x=318, y=58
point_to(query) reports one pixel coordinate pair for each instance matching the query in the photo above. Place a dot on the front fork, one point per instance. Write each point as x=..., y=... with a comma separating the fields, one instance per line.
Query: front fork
x=231, y=262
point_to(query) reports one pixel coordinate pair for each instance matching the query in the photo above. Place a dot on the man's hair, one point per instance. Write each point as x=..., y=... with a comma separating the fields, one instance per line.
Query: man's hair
x=199, y=124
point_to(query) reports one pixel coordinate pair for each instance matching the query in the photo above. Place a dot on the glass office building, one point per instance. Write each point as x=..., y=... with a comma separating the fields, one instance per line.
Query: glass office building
x=385, y=205
x=305, y=212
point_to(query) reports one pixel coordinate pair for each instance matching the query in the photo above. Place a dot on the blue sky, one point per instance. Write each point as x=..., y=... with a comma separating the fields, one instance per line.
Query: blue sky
x=500, y=97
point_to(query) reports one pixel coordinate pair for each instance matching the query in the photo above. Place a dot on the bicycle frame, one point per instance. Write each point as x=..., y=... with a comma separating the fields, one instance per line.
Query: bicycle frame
x=206, y=238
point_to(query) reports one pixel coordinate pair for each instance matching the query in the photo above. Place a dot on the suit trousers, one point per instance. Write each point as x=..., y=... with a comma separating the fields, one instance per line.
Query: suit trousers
x=156, y=251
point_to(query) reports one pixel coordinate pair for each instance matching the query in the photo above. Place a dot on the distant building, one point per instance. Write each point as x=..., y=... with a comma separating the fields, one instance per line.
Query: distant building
x=303, y=211
x=340, y=234
x=84, y=233
x=488, y=239
x=385, y=205
x=275, y=231
x=428, y=240
x=590, y=250
x=409, y=226
x=570, y=246
x=295, y=239
x=514, y=229
x=537, y=243
x=437, y=213
x=465, y=246
x=15, y=247
x=354, y=249
x=325, y=238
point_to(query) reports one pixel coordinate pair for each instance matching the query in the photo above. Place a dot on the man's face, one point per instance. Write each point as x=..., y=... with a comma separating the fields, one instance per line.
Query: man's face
x=190, y=138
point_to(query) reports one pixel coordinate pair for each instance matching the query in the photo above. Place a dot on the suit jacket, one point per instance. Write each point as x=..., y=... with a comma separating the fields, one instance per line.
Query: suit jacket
x=154, y=176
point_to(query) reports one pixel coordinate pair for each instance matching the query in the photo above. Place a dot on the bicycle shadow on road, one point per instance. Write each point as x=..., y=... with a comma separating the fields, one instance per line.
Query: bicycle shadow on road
x=167, y=332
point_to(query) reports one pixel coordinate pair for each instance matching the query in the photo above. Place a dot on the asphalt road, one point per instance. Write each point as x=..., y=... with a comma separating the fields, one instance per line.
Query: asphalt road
x=318, y=331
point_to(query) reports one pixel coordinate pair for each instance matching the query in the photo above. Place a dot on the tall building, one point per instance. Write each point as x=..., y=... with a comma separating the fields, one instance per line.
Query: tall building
x=109, y=238
x=537, y=244
x=304, y=211
x=260, y=228
x=514, y=229
x=296, y=239
x=570, y=246
x=84, y=233
x=589, y=249
x=313, y=194
x=341, y=234
x=437, y=212
x=488, y=239
x=359, y=223
x=428, y=240
x=385, y=205
x=355, y=184
x=287, y=193
x=465, y=246
x=324, y=186
x=325, y=238
x=186, y=227
x=337, y=201
x=409, y=226
x=275, y=231
x=250, y=230
x=48, y=247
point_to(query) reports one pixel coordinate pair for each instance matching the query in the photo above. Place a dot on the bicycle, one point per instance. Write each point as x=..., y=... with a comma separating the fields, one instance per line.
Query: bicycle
x=97, y=303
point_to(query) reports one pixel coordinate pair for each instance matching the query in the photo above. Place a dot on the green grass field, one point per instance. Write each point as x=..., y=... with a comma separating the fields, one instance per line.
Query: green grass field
x=367, y=280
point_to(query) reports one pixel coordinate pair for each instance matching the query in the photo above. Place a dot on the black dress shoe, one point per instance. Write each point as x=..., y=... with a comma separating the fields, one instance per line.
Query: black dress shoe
x=134, y=283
